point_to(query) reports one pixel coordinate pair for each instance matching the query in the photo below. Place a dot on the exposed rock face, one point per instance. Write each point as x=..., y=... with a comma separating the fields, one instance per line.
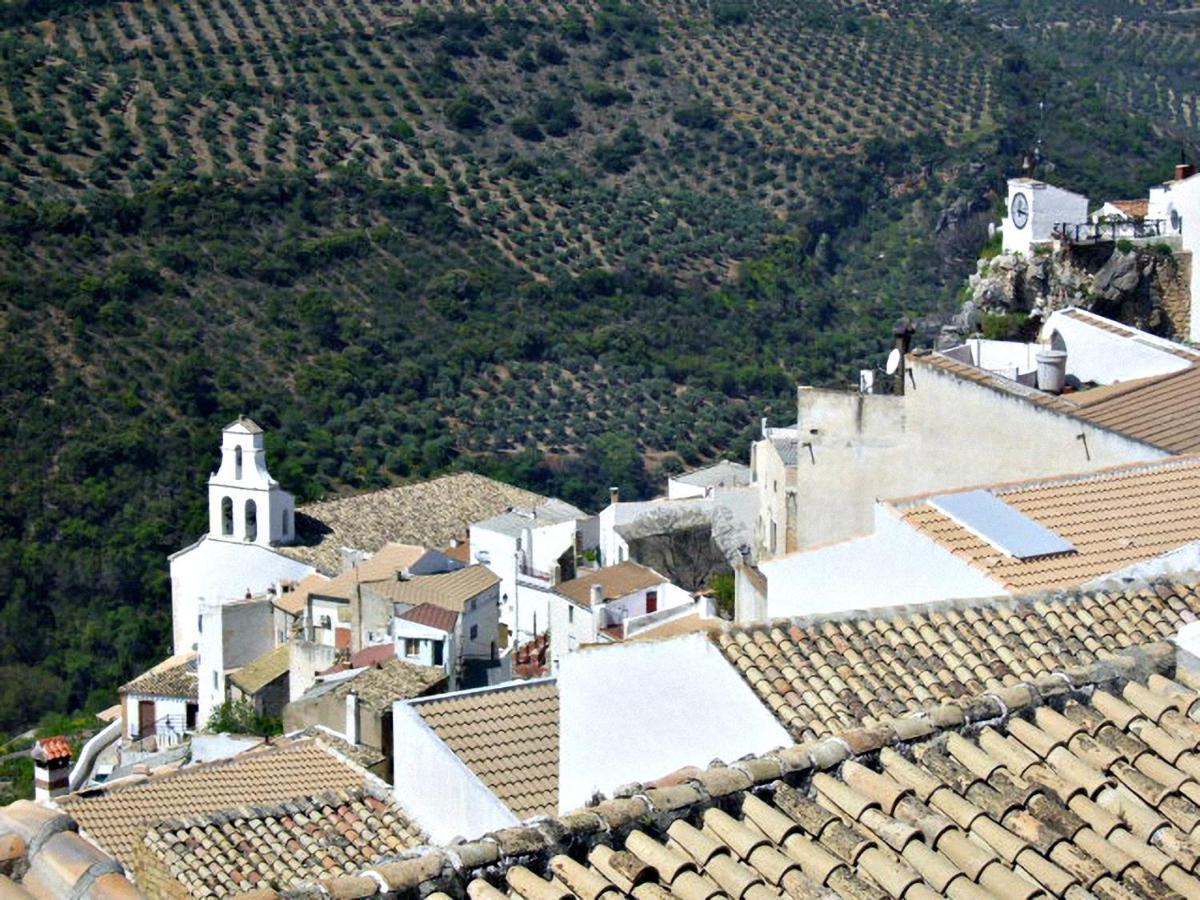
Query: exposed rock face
x=1143, y=287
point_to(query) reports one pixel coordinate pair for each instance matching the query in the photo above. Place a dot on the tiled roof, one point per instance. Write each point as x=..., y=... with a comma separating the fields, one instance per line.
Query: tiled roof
x=388, y=560
x=681, y=625
x=116, y=817
x=281, y=844
x=1163, y=411
x=434, y=616
x=175, y=676
x=789, y=450
x=255, y=676
x=616, y=581
x=516, y=521
x=380, y=685
x=450, y=590
x=367, y=656
x=1128, y=331
x=50, y=749
x=294, y=601
x=429, y=513
x=723, y=473
x=825, y=676
x=1114, y=517
x=1135, y=208
x=507, y=736
x=42, y=857
x=245, y=422
x=1083, y=784
x=968, y=372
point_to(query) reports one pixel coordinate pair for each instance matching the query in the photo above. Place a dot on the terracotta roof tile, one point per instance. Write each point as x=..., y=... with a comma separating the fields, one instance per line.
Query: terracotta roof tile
x=429, y=513
x=432, y=615
x=821, y=676
x=256, y=675
x=116, y=818
x=1020, y=808
x=277, y=845
x=616, y=581
x=518, y=758
x=173, y=677
x=450, y=590
x=1114, y=518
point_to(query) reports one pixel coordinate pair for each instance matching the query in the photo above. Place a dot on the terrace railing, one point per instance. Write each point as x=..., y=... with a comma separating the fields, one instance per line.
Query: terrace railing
x=1111, y=230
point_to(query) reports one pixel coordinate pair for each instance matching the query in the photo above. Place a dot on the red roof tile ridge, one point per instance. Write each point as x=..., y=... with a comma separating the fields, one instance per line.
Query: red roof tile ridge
x=516, y=684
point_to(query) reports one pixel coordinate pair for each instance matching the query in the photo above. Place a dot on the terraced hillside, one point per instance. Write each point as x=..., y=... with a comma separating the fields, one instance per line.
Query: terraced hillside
x=576, y=244
x=570, y=134
x=1144, y=57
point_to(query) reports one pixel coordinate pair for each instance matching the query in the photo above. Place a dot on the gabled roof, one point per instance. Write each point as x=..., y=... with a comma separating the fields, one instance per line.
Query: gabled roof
x=723, y=473
x=116, y=817
x=1163, y=411
x=381, y=684
x=826, y=674
x=518, y=520
x=244, y=424
x=390, y=559
x=507, y=736
x=255, y=676
x=1080, y=784
x=615, y=582
x=450, y=590
x=278, y=845
x=175, y=676
x=429, y=513
x=434, y=616
x=293, y=601
x=1114, y=517
x=1135, y=208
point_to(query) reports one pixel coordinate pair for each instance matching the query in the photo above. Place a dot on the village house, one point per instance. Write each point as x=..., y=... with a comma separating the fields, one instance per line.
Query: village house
x=355, y=703
x=264, y=682
x=612, y=604
x=507, y=753
x=161, y=706
x=531, y=548
x=1139, y=520
x=1118, y=395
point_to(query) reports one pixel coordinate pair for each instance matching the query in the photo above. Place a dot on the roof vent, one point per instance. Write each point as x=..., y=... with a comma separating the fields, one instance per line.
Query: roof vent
x=1004, y=527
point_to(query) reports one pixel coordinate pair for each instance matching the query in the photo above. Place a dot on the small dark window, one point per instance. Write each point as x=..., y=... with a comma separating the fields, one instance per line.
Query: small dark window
x=193, y=711
x=251, y=521
x=437, y=653
x=570, y=614
x=474, y=632
x=651, y=602
x=237, y=463
x=226, y=516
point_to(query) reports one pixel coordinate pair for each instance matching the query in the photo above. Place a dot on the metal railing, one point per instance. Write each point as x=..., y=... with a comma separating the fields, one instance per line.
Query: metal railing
x=166, y=731
x=1110, y=230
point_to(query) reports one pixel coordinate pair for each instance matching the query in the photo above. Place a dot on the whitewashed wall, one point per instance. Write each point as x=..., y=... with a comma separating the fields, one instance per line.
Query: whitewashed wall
x=638, y=711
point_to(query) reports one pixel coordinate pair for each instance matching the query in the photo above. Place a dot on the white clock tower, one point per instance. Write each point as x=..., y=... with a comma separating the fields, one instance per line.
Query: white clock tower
x=245, y=504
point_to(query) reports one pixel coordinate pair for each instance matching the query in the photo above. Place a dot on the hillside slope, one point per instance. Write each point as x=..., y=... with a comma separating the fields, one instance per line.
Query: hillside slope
x=572, y=244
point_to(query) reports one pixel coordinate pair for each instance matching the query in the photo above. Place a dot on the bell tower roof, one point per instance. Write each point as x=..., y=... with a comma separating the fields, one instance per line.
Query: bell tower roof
x=243, y=425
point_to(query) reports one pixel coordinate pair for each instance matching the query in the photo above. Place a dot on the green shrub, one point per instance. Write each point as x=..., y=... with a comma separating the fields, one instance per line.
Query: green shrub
x=1005, y=326
x=1124, y=245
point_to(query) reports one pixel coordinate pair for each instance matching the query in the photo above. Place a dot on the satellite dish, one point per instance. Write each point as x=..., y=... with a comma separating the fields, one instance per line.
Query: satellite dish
x=893, y=362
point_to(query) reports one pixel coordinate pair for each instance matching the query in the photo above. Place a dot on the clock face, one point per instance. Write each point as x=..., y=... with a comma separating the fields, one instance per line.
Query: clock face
x=1020, y=210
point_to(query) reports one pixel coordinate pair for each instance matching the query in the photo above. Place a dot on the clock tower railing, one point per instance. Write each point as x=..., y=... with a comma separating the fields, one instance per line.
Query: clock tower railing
x=1112, y=230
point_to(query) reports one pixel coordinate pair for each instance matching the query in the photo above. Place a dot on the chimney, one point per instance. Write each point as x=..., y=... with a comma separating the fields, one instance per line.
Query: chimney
x=51, y=768
x=597, y=595
x=352, y=717
x=614, y=495
x=1184, y=169
x=903, y=333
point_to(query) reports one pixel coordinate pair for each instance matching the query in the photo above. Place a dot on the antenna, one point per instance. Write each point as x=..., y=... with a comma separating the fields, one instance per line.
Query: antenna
x=1037, y=147
x=893, y=362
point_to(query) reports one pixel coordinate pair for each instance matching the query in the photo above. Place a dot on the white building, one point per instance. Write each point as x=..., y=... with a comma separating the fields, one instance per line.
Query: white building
x=529, y=547
x=721, y=476
x=610, y=604
x=249, y=516
x=614, y=715
x=1004, y=539
x=1035, y=208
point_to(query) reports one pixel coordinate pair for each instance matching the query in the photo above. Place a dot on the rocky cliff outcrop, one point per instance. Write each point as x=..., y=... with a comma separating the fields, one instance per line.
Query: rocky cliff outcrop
x=1146, y=287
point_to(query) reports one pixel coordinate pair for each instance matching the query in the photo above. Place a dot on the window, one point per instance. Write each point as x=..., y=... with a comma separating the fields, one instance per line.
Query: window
x=251, y=521
x=774, y=535
x=474, y=632
x=651, y=602
x=226, y=516
x=437, y=653
x=570, y=613
x=200, y=623
x=287, y=522
x=237, y=463
x=412, y=647
x=192, y=711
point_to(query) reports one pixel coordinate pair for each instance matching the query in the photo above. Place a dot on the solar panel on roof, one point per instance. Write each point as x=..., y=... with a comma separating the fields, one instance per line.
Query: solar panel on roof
x=1004, y=527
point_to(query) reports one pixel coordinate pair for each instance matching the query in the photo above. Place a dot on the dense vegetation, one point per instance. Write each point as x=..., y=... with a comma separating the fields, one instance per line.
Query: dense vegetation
x=571, y=244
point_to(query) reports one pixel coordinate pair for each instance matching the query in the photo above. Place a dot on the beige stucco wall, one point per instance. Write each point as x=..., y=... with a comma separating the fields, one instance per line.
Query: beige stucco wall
x=944, y=433
x=775, y=483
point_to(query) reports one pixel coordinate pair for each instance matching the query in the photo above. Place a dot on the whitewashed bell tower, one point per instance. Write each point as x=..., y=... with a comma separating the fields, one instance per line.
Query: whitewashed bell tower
x=245, y=504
